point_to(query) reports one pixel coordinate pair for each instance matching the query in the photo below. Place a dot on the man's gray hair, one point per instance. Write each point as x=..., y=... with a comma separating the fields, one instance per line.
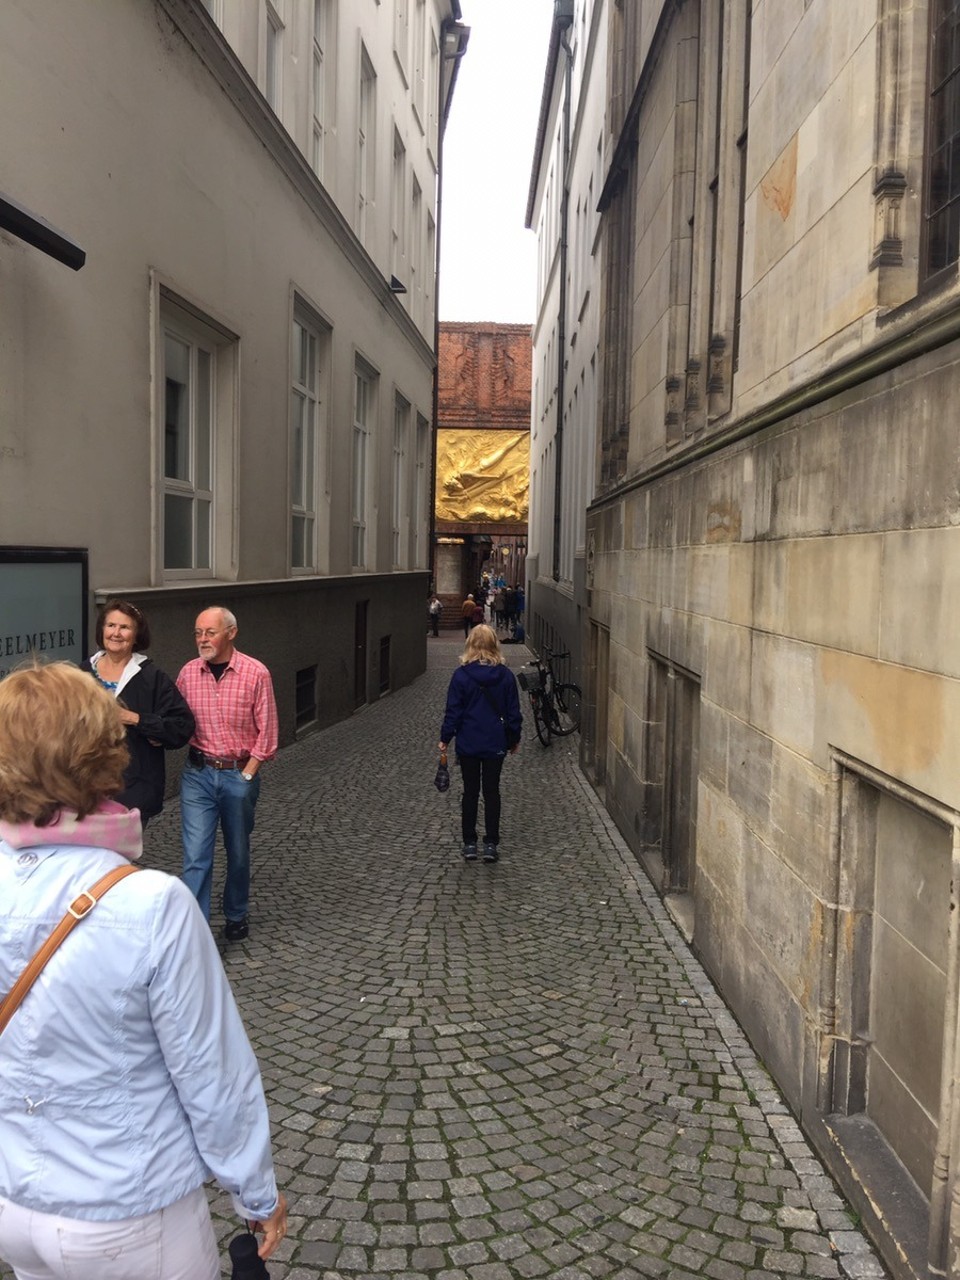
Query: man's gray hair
x=229, y=619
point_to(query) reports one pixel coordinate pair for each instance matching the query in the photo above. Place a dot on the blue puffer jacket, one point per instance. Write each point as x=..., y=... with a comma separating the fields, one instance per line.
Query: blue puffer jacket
x=478, y=696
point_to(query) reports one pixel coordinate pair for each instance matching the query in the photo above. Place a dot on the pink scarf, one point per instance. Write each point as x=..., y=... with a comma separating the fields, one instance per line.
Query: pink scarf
x=110, y=826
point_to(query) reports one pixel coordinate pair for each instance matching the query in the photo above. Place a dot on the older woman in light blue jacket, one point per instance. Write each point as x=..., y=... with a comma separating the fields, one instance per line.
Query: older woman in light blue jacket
x=126, y=1077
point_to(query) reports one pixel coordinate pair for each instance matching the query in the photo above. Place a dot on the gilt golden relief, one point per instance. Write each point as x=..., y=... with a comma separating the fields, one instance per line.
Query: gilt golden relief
x=483, y=477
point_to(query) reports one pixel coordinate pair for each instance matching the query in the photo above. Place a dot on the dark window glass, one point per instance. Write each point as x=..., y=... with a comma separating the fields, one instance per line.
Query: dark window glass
x=942, y=204
x=384, y=664
x=306, y=696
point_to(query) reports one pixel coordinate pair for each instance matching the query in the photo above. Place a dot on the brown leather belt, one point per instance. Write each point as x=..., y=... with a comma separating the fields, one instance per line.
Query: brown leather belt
x=215, y=762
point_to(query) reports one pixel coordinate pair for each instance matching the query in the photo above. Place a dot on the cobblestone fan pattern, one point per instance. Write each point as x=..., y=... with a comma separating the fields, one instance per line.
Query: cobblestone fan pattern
x=481, y=1072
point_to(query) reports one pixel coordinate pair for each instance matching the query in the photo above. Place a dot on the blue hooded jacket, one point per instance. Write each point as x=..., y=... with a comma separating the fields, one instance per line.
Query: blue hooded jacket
x=479, y=695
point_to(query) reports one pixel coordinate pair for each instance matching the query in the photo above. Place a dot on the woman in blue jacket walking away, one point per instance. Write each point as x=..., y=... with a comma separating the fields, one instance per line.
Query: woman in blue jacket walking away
x=483, y=714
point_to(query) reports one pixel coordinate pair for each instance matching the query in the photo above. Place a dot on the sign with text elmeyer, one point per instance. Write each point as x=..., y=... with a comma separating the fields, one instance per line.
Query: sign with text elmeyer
x=43, y=605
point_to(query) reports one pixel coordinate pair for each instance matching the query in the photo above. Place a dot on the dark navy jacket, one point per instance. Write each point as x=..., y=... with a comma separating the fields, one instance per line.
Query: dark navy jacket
x=166, y=722
x=473, y=716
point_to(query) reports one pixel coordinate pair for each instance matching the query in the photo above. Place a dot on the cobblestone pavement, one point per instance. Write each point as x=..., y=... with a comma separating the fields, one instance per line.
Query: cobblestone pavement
x=485, y=1072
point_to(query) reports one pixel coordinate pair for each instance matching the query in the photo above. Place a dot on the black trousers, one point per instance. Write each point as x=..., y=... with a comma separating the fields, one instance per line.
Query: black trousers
x=479, y=774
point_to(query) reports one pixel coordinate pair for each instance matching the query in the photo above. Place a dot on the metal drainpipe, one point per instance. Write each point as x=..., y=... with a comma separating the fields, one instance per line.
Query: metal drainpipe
x=561, y=318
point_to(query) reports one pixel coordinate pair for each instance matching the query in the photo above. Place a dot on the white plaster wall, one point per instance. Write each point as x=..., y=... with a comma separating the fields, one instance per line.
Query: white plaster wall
x=117, y=132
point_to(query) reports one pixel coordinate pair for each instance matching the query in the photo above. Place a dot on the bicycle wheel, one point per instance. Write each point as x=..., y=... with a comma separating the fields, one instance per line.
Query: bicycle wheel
x=540, y=719
x=566, y=702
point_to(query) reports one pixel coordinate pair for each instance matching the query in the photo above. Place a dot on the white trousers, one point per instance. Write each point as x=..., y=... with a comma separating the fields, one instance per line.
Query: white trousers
x=176, y=1243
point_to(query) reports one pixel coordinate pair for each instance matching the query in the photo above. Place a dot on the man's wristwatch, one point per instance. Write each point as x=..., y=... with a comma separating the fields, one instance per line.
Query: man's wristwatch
x=247, y=777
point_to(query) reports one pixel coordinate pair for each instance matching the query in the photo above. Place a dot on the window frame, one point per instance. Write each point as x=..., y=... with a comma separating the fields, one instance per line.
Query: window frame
x=273, y=59
x=419, y=61
x=366, y=142
x=400, y=496
x=318, y=84
x=398, y=206
x=312, y=448
x=362, y=466
x=401, y=36
x=938, y=16
x=176, y=316
x=421, y=492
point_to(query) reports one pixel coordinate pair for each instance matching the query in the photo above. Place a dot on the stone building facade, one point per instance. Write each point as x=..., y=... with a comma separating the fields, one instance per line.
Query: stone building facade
x=565, y=184
x=483, y=455
x=232, y=400
x=771, y=657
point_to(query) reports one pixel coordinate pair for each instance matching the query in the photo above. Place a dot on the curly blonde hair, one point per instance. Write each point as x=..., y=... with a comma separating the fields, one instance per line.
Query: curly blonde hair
x=62, y=744
x=482, y=646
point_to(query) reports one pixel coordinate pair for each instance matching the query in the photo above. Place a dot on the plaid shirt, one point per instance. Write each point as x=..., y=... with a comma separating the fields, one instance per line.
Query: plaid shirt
x=236, y=715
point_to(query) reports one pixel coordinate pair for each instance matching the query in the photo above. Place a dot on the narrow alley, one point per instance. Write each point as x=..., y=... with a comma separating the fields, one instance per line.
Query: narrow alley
x=485, y=1072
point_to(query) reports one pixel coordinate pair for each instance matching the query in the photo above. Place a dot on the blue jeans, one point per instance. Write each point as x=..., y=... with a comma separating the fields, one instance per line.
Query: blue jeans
x=209, y=797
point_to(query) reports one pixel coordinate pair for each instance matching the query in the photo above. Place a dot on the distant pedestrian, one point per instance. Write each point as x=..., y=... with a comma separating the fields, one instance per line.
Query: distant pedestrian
x=231, y=697
x=509, y=607
x=466, y=610
x=483, y=715
x=498, y=606
x=434, y=610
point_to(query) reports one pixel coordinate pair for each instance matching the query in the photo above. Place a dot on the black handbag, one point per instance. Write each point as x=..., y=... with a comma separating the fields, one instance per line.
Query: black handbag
x=442, y=780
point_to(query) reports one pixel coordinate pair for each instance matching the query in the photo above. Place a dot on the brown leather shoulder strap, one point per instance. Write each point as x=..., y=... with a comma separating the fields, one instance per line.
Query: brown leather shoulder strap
x=78, y=910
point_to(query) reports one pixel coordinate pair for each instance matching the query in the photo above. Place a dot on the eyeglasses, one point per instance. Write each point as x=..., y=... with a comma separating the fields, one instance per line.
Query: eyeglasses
x=207, y=635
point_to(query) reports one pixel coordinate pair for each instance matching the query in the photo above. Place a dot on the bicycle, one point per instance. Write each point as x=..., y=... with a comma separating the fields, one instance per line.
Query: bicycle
x=555, y=704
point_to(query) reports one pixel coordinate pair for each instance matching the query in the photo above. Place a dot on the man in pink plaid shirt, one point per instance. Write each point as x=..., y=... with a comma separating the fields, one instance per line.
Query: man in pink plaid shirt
x=231, y=697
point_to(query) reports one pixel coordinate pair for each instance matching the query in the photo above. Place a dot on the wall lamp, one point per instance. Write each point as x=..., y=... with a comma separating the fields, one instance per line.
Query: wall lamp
x=34, y=230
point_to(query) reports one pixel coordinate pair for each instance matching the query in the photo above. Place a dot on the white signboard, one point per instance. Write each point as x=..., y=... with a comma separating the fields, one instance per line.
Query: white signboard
x=42, y=606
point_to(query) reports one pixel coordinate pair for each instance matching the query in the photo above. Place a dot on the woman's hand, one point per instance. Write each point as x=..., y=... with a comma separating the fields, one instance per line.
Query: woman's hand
x=442, y=746
x=274, y=1228
x=129, y=717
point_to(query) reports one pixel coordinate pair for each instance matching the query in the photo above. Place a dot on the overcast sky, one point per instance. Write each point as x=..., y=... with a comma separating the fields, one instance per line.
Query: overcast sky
x=488, y=258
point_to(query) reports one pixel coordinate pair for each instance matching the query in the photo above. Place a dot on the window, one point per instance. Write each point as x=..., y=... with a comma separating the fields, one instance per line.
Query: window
x=430, y=277
x=366, y=142
x=421, y=493
x=401, y=32
x=942, y=195
x=398, y=206
x=194, y=426
x=401, y=515
x=433, y=97
x=419, y=58
x=322, y=32
x=305, y=452
x=362, y=459
x=306, y=697
x=416, y=252
x=188, y=415
x=887, y=1077
x=672, y=752
x=274, y=60
x=383, y=683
